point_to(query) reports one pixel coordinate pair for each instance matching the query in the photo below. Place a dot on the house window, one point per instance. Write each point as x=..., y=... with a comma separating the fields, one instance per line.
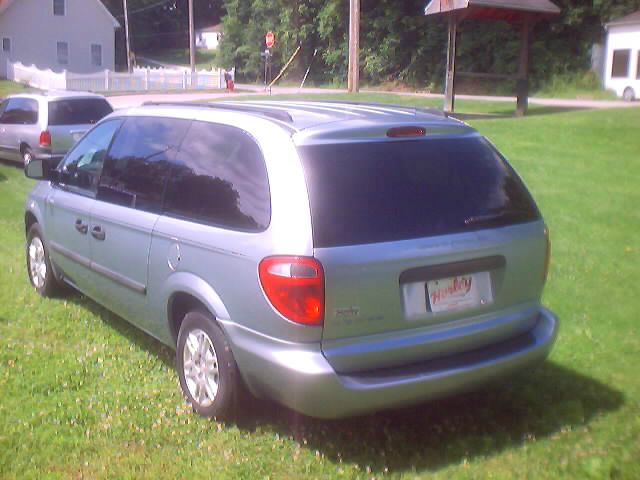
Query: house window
x=6, y=45
x=96, y=55
x=63, y=53
x=58, y=7
x=620, y=65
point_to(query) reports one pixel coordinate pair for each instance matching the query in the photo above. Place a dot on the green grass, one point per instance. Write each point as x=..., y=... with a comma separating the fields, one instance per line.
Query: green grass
x=205, y=59
x=7, y=87
x=584, y=86
x=84, y=394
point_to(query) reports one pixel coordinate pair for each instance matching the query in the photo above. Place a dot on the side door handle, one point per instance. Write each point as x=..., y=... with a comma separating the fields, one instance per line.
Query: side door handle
x=98, y=233
x=82, y=227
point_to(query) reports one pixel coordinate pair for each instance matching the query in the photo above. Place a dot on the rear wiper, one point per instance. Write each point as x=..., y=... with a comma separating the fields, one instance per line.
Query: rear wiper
x=490, y=217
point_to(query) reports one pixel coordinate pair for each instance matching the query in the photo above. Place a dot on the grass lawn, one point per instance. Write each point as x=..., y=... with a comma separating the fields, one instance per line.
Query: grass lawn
x=7, y=87
x=205, y=59
x=83, y=394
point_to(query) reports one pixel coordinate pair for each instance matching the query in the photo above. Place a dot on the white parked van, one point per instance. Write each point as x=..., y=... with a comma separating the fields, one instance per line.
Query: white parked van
x=622, y=69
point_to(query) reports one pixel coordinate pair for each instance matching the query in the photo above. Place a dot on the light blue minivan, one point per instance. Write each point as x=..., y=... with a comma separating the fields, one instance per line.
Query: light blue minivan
x=337, y=258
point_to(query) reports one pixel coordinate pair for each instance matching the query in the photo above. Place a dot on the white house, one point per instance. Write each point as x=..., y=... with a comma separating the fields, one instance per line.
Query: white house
x=622, y=66
x=209, y=37
x=73, y=35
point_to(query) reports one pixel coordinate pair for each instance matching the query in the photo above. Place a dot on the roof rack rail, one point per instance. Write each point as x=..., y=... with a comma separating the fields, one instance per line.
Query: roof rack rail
x=429, y=110
x=265, y=111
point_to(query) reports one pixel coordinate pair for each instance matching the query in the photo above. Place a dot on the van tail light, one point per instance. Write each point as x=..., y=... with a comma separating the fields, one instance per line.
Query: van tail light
x=547, y=252
x=45, y=139
x=295, y=287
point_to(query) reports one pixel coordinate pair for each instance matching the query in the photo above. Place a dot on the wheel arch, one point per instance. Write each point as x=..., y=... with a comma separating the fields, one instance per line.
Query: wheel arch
x=188, y=292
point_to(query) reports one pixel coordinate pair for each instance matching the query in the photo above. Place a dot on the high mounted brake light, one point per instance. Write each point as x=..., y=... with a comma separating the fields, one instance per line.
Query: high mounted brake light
x=404, y=132
x=295, y=287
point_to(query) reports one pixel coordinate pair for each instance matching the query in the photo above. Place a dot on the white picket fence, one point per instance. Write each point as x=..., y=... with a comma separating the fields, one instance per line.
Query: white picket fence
x=140, y=80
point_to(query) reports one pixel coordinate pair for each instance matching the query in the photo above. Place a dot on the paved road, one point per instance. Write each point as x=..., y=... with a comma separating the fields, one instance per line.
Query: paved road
x=125, y=101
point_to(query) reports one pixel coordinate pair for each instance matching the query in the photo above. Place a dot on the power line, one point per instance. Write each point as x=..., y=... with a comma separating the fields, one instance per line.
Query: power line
x=148, y=7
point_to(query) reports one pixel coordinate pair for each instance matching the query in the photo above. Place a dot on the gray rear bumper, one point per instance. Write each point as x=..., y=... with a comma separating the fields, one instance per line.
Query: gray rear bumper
x=299, y=376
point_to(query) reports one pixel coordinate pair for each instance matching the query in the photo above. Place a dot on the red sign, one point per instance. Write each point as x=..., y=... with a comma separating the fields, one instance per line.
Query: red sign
x=270, y=39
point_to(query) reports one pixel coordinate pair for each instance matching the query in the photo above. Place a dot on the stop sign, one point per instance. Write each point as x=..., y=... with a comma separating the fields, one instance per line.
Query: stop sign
x=269, y=39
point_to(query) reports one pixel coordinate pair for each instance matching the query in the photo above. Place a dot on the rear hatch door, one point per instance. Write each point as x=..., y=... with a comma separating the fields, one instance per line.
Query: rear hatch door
x=422, y=242
x=70, y=118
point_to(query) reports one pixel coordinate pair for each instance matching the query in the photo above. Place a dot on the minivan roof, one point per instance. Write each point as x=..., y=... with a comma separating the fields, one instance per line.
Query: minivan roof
x=331, y=121
x=55, y=95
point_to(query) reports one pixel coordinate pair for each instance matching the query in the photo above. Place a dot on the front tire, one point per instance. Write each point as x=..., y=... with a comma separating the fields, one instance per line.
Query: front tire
x=41, y=274
x=208, y=373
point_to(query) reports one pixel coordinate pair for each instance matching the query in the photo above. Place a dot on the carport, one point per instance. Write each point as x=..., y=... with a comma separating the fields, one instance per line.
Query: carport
x=522, y=14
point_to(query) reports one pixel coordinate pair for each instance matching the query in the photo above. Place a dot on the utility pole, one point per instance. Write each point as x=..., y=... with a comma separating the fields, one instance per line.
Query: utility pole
x=353, y=77
x=126, y=34
x=192, y=39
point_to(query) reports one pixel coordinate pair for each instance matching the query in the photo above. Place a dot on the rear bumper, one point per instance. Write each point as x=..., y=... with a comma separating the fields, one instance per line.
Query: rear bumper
x=299, y=376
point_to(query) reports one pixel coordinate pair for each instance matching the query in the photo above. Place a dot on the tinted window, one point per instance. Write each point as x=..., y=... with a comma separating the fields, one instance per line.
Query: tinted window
x=138, y=164
x=20, y=111
x=220, y=178
x=82, y=166
x=385, y=191
x=78, y=111
x=620, y=65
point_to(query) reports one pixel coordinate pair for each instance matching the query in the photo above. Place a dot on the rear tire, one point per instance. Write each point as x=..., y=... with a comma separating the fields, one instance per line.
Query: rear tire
x=629, y=95
x=39, y=268
x=208, y=373
x=27, y=156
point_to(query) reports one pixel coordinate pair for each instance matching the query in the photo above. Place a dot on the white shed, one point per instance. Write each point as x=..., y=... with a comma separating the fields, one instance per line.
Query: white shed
x=73, y=35
x=209, y=37
x=622, y=67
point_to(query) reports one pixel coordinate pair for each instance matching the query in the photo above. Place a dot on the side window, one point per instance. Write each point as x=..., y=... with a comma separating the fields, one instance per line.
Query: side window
x=6, y=45
x=96, y=55
x=138, y=165
x=58, y=7
x=62, y=53
x=20, y=111
x=620, y=64
x=82, y=166
x=219, y=178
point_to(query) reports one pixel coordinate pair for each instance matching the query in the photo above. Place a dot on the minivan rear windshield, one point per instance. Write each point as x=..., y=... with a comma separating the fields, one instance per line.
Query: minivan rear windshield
x=396, y=190
x=78, y=111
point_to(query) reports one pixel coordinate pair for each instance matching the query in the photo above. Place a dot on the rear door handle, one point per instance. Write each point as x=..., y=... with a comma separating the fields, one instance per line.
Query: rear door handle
x=98, y=233
x=82, y=227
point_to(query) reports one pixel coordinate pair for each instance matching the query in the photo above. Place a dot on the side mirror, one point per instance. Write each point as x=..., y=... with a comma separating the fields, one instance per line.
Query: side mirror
x=39, y=169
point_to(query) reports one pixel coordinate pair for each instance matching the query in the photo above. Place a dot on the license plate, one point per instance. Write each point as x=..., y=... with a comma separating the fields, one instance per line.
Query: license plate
x=459, y=292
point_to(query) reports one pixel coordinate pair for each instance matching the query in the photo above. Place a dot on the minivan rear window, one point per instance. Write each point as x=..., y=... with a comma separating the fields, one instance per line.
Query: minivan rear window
x=78, y=111
x=396, y=190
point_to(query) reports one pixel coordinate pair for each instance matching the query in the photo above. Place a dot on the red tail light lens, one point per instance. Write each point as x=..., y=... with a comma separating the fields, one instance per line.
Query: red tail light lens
x=45, y=139
x=295, y=287
x=547, y=252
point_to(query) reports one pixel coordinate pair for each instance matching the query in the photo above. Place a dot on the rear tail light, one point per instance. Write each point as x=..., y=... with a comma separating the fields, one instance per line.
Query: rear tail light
x=45, y=139
x=547, y=252
x=295, y=287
